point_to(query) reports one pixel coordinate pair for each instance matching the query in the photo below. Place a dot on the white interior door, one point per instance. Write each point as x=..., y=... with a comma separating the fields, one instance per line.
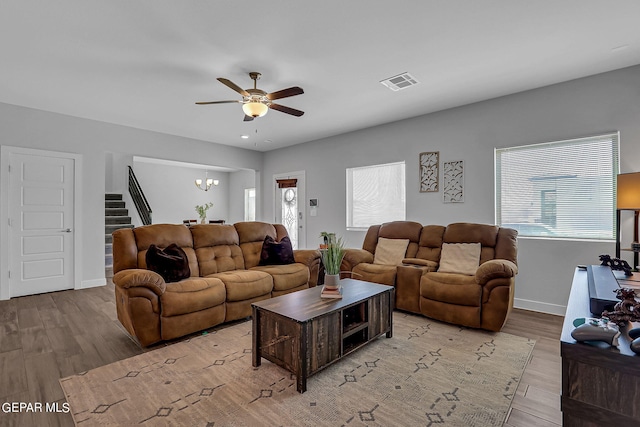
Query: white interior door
x=289, y=207
x=41, y=221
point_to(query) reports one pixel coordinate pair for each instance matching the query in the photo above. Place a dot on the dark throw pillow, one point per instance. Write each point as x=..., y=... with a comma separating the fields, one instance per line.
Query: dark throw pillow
x=171, y=263
x=276, y=253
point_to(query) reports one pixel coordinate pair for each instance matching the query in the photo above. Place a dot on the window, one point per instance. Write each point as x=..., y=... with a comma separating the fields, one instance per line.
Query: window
x=249, y=204
x=375, y=194
x=563, y=189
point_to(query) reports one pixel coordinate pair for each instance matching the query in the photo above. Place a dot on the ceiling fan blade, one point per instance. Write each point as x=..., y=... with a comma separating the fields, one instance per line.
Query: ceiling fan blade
x=287, y=110
x=284, y=93
x=247, y=118
x=233, y=86
x=217, y=102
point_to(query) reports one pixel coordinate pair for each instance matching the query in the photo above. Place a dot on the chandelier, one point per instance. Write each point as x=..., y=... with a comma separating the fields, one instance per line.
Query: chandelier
x=208, y=182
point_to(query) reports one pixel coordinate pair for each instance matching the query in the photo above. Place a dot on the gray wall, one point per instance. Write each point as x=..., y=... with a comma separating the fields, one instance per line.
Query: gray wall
x=238, y=182
x=172, y=194
x=582, y=107
x=96, y=141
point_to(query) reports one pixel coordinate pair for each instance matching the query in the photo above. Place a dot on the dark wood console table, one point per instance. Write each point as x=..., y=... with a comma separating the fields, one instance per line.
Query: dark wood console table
x=600, y=383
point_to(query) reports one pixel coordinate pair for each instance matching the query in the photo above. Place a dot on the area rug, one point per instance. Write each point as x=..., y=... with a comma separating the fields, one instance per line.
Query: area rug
x=429, y=374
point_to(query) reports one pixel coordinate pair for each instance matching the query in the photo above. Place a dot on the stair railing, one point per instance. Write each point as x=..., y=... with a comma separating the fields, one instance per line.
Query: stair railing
x=142, y=206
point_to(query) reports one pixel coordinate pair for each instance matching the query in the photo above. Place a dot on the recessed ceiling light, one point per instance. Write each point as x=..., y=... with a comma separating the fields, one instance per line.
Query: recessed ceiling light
x=244, y=136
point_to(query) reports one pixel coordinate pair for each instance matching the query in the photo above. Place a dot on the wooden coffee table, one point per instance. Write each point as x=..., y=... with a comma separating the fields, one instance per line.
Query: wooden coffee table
x=304, y=333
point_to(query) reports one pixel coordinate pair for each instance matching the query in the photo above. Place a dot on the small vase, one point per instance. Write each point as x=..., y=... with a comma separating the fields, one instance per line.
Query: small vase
x=332, y=280
x=203, y=220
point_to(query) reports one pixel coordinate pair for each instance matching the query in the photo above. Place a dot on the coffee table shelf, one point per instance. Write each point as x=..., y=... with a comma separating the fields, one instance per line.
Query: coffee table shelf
x=354, y=328
x=304, y=333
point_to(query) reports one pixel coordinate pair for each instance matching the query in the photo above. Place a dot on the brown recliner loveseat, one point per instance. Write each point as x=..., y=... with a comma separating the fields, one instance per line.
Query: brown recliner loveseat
x=225, y=277
x=479, y=296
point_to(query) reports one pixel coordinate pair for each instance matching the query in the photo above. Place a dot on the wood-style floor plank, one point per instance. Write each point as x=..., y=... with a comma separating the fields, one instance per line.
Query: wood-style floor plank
x=34, y=340
x=537, y=399
x=13, y=376
x=8, y=311
x=51, y=336
x=42, y=375
x=517, y=418
x=539, y=403
x=9, y=336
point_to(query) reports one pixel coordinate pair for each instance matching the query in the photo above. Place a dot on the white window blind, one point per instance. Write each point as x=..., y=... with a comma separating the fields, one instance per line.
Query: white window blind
x=375, y=194
x=563, y=189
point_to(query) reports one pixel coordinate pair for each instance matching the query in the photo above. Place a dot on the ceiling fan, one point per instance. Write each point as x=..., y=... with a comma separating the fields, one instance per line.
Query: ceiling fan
x=256, y=102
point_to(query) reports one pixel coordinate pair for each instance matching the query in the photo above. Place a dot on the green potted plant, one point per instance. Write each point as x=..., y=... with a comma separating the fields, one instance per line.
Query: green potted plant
x=332, y=253
x=202, y=211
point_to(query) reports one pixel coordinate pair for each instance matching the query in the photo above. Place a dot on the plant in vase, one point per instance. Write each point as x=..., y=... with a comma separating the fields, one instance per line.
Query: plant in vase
x=331, y=253
x=202, y=211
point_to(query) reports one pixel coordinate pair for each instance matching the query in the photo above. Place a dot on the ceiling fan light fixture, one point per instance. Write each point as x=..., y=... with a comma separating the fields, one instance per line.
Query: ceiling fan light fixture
x=255, y=109
x=256, y=102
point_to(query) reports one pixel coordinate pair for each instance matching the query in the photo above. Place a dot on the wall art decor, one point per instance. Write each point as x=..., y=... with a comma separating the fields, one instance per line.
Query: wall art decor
x=429, y=170
x=453, y=181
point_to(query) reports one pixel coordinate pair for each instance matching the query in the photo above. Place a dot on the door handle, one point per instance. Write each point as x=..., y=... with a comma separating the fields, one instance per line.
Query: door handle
x=67, y=230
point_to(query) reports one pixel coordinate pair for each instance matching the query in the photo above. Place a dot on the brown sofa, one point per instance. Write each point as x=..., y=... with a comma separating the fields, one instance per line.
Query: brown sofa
x=480, y=299
x=225, y=277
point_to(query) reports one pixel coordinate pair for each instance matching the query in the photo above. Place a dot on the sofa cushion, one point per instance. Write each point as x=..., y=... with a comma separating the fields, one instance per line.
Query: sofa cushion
x=460, y=258
x=252, y=234
x=286, y=276
x=465, y=232
x=162, y=235
x=245, y=284
x=191, y=295
x=216, y=248
x=276, y=253
x=451, y=288
x=376, y=273
x=390, y=251
x=171, y=263
x=402, y=230
x=430, y=242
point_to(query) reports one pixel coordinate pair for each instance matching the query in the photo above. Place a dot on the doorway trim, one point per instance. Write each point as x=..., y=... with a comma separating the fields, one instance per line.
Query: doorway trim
x=301, y=175
x=5, y=154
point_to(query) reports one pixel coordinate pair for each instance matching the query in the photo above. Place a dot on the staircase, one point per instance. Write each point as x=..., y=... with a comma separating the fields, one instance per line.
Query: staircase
x=115, y=216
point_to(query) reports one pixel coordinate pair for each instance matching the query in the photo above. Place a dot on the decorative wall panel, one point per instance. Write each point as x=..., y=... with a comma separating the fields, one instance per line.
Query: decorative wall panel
x=429, y=170
x=453, y=177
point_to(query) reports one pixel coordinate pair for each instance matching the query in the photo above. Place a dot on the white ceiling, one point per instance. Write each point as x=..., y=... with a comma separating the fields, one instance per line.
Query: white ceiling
x=144, y=63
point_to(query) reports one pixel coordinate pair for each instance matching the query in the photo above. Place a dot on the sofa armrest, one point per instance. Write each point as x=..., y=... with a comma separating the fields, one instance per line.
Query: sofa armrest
x=495, y=269
x=310, y=258
x=353, y=257
x=138, y=277
x=306, y=256
x=419, y=262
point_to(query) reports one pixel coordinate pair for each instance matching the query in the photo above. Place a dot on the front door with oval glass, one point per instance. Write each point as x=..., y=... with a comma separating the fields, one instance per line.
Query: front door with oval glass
x=289, y=206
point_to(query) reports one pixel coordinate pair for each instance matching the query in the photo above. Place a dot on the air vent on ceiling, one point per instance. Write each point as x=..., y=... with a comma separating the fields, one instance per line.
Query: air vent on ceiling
x=401, y=81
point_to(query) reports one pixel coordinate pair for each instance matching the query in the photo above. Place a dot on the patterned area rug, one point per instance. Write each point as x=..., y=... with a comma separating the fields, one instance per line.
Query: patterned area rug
x=428, y=374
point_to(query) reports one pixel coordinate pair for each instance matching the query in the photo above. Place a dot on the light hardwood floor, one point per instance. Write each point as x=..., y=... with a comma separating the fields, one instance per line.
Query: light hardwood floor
x=47, y=337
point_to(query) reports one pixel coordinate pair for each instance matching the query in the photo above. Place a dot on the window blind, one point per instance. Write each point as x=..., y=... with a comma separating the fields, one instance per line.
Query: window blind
x=375, y=194
x=563, y=189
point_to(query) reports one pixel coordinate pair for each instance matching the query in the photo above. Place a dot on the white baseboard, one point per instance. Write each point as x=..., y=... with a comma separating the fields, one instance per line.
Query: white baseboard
x=543, y=307
x=92, y=283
